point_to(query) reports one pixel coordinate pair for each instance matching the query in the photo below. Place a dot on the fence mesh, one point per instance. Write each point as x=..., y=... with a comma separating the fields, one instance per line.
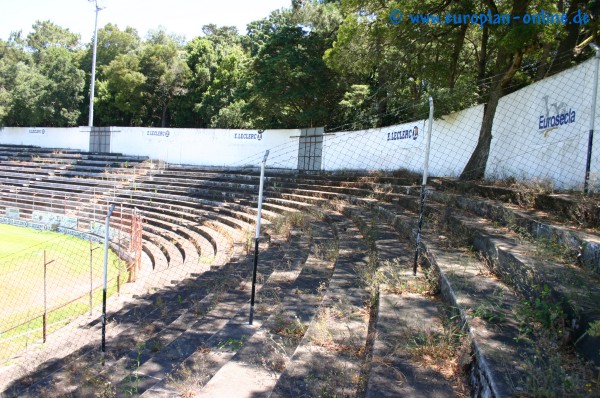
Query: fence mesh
x=179, y=233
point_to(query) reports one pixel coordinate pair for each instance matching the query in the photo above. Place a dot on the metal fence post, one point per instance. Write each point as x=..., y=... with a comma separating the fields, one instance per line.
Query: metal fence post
x=45, y=318
x=588, y=163
x=423, y=185
x=106, y=237
x=257, y=236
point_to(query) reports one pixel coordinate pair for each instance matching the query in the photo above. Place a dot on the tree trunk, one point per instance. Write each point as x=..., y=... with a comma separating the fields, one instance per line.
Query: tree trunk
x=475, y=168
x=506, y=67
x=483, y=58
x=458, y=46
x=163, y=122
x=564, y=53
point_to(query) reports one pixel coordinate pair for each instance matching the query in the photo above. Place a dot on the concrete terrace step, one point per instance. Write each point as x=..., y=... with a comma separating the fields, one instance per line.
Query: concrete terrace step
x=183, y=340
x=582, y=245
x=330, y=358
x=209, y=210
x=404, y=319
x=287, y=300
x=578, y=208
x=131, y=320
x=495, y=370
x=577, y=290
x=530, y=267
x=503, y=358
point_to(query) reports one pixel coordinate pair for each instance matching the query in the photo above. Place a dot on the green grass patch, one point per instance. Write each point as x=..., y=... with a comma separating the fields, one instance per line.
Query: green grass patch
x=67, y=282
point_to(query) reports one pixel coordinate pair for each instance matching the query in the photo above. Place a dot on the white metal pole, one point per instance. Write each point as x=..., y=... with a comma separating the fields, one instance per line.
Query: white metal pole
x=93, y=81
x=257, y=235
x=424, y=184
x=106, y=237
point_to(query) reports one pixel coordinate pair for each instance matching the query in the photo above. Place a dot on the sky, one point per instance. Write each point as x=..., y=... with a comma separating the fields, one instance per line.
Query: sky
x=182, y=17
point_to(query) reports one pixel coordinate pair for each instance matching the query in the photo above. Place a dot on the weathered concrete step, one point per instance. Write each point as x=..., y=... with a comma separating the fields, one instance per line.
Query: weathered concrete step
x=578, y=208
x=294, y=255
x=583, y=247
x=172, y=342
x=504, y=362
x=576, y=290
x=405, y=320
x=214, y=210
x=329, y=359
x=257, y=367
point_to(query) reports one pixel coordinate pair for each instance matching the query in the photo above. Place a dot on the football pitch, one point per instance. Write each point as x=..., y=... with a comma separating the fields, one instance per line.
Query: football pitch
x=73, y=268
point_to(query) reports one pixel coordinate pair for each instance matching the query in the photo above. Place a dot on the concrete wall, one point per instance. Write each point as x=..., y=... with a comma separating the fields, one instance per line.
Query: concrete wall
x=525, y=147
x=522, y=146
x=47, y=137
x=395, y=147
x=207, y=147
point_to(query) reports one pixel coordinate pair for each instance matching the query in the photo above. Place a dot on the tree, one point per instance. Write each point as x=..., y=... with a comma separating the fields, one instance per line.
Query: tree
x=400, y=64
x=112, y=42
x=121, y=93
x=163, y=64
x=64, y=92
x=39, y=79
x=23, y=93
x=47, y=34
x=516, y=43
x=290, y=85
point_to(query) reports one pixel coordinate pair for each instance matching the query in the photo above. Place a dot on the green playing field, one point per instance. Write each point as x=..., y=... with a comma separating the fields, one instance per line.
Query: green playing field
x=68, y=279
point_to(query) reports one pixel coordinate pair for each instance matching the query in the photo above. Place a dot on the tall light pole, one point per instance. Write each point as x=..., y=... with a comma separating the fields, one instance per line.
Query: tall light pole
x=92, y=83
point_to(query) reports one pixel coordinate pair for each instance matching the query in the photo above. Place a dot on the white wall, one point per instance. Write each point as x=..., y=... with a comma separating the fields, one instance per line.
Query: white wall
x=385, y=148
x=47, y=137
x=451, y=145
x=207, y=147
x=519, y=148
x=522, y=149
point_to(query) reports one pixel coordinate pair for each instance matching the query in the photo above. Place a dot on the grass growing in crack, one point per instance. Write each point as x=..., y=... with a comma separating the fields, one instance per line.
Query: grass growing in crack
x=490, y=310
x=394, y=276
x=277, y=356
x=327, y=250
x=103, y=388
x=285, y=223
x=132, y=382
x=231, y=344
x=552, y=368
x=552, y=372
x=337, y=382
x=287, y=326
x=547, y=248
x=446, y=351
x=189, y=377
x=541, y=315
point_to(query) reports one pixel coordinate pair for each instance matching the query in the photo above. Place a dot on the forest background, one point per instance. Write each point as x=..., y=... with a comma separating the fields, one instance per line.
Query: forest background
x=341, y=64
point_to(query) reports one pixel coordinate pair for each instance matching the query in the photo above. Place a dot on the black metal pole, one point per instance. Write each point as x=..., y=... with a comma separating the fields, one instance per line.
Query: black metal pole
x=257, y=234
x=423, y=185
x=254, y=272
x=106, y=238
x=588, y=163
x=45, y=320
x=419, y=226
x=103, y=320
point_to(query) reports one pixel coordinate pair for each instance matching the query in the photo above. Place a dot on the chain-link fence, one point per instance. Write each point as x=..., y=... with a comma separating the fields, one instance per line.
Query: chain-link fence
x=180, y=236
